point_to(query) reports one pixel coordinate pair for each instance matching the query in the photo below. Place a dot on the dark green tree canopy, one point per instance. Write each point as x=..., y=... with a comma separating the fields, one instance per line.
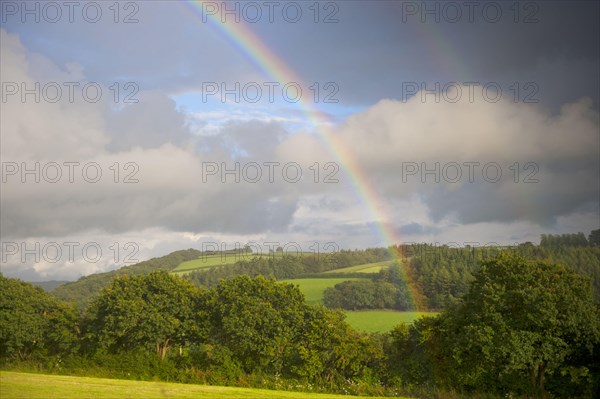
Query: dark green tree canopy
x=154, y=311
x=257, y=319
x=522, y=319
x=594, y=238
x=33, y=322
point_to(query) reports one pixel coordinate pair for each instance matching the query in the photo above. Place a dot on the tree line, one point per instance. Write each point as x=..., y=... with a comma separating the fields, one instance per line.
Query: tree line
x=160, y=325
x=440, y=274
x=386, y=290
x=443, y=273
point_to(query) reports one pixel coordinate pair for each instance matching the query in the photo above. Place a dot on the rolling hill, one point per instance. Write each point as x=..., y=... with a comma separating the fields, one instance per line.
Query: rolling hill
x=83, y=290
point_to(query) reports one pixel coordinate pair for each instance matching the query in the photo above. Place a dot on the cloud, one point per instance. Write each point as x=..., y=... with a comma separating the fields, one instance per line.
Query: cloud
x=152, y=122
x=477, y=160
x=96, y=165
x=154, y=188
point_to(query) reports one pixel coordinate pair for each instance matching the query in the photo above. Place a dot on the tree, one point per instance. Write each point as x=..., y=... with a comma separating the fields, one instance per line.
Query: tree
x=396, y=276
x=594, y=238
x=361, y=294
x=329, y=350
x=257, y=325
x=414, y=354
x=152, y=311
x=257, y=319
x=564, y=240
x=520, y=321
x=33, y=322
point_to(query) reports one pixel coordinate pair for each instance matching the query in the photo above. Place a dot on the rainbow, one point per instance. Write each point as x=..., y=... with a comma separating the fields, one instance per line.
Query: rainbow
x=255, y=51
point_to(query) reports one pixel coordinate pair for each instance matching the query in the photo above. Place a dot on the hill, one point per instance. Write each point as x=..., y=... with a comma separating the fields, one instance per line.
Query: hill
x=206, y=269
x=441, y=274
x=83, y=290
x=207, y=261
x=49, y=285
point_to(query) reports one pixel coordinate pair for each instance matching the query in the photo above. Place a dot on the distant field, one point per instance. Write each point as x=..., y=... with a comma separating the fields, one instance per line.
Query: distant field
x=208, y=261
x=381, y=320
x=43, y=386
x=365, y=268
x=313, y=288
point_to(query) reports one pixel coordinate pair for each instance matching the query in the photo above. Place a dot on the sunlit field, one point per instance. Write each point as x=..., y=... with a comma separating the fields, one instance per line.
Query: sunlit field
x=43, y=386
x=381, y=320
x=220, y=259
x=365, y=268
x=313, y=288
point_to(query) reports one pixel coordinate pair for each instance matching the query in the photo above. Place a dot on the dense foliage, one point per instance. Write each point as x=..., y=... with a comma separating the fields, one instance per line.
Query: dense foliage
x=148, y=311
x=564, y=240
x=443, y=273
x=387, y=290
x=523, y=326
x=594, y=238
x=161, y=325
x=34, y=323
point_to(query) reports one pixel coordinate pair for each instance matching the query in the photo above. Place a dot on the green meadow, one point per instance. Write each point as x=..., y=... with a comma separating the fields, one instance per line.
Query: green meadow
x=363, y=320
x=313, y=288
x=381, y=320
x=207, y=261
x=222, y=259
x=365, y=268
x=44, y=386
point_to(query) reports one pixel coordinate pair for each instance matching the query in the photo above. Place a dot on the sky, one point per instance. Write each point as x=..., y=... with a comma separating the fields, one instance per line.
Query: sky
x=132, y=129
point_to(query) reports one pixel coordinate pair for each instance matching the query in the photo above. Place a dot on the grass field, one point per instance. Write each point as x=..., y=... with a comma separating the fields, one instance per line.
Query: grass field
x=363, y=320
x=365, y=268
x=43, y=386
x=313, y=288
x=208, y=261
x=381, y=320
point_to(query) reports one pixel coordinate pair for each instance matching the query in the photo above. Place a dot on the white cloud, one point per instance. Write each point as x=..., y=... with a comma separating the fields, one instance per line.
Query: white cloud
x=548, y=164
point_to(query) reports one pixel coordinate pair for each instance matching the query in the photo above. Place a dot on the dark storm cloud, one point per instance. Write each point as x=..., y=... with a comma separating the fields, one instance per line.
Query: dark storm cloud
x=384, y=46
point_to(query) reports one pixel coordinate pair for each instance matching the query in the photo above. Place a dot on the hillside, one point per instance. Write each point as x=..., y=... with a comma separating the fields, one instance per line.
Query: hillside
x=49, y=285
x=441, y=274
x=83, y=290
x=206, y=269
x=207, y=261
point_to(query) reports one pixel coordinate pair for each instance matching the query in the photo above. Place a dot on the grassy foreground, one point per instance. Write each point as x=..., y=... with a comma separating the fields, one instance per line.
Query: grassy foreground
x=44, y=386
